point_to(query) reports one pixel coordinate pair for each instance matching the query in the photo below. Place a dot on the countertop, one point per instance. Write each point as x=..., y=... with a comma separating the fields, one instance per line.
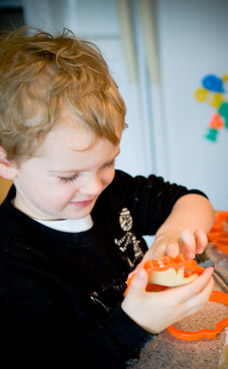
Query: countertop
x=168, y=352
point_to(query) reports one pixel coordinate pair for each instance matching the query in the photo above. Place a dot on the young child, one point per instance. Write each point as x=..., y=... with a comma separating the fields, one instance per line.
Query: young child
x=71, y=227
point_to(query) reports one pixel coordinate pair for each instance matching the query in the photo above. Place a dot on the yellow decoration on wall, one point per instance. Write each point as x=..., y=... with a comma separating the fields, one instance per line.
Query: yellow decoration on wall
x=213, y=93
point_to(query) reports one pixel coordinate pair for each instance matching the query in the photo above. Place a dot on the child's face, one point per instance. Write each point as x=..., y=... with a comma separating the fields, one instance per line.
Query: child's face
x=62, y=182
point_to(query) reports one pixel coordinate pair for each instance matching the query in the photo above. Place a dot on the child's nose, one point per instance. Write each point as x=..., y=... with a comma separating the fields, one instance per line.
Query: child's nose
x=92, y=186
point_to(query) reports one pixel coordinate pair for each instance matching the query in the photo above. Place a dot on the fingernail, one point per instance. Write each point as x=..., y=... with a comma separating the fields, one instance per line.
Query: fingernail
x=191, y=255
x=141, y=274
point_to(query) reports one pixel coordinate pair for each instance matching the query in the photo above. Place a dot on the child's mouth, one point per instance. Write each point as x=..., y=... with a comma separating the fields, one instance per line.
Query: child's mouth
x=82, y=204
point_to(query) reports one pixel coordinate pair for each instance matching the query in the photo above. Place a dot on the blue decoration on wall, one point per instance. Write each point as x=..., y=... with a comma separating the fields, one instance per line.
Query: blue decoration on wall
x=213, y=83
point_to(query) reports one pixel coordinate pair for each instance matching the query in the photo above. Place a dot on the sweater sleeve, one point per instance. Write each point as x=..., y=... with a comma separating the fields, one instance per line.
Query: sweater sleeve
x=150, y=200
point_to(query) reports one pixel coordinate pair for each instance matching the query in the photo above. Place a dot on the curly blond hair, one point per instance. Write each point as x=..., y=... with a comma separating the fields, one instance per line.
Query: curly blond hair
x=39, y=74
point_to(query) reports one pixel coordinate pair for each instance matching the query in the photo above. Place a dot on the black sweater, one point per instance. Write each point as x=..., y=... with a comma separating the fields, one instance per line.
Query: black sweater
x=60, y=292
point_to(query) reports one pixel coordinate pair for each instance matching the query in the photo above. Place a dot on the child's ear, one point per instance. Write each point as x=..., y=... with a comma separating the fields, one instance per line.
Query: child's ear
x=7, y=169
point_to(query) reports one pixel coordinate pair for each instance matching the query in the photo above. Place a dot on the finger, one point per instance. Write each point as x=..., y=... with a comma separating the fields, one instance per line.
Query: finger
x=173, y=249
x=170, y=249
x=187, y=291
x=158, y=252
x=187, y=243
x=199, y=301
x=138, y=283
x=201, y=241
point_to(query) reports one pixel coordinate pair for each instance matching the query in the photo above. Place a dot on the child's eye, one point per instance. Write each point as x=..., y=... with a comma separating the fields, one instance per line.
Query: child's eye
x=68, y=179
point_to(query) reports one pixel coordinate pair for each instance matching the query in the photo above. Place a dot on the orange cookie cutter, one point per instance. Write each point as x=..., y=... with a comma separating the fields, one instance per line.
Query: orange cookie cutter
x=216, y=296
x=218, y=235
x=159, y=265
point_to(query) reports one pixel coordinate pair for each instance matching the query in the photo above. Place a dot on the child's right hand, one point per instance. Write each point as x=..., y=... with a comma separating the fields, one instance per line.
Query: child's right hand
x=155, y=311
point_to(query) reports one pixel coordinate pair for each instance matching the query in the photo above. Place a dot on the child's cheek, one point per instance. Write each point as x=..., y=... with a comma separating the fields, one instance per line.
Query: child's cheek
x=61, y=196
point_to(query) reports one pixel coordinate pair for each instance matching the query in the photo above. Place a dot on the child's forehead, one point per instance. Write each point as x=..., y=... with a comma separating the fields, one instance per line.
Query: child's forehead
x=71, y=147
x=70, y=134
x=71, y=130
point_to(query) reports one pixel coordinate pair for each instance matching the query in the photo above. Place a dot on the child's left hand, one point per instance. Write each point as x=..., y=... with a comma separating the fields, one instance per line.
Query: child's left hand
x=173, y=242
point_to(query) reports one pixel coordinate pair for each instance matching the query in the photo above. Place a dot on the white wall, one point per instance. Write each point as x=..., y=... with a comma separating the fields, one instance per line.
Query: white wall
x=193, y=39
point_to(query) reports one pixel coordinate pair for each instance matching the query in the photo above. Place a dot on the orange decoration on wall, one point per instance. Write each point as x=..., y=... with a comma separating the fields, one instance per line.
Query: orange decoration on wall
x=219, y=232
x=216, y=121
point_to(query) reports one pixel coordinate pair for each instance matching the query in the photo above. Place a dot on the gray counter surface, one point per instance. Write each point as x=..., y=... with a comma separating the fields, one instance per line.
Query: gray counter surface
x=168, y=352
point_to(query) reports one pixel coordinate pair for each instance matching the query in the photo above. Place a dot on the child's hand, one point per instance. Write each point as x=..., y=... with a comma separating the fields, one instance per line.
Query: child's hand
x=155, y=311
x=172, y=243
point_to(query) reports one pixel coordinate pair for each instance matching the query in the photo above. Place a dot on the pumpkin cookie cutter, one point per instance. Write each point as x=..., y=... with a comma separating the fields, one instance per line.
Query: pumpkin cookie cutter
x=218, y=234
x=168, y=272
x=216, y=296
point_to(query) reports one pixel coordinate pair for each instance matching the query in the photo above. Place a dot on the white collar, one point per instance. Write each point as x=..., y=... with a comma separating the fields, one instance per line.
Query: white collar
x=69, y=225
